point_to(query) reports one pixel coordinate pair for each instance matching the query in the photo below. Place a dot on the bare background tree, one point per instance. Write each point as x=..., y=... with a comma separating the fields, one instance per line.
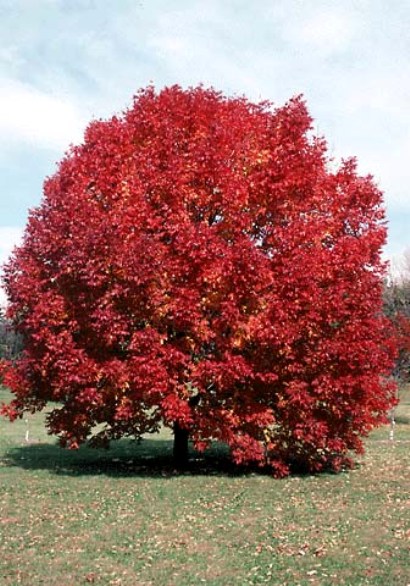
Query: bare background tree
x=397, y=308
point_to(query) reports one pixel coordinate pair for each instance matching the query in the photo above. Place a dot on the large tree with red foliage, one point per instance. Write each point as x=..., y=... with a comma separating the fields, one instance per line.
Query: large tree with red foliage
x=196, y=263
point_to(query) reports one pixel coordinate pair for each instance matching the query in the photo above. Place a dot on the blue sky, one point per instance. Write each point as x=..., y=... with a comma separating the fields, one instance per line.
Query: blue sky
x=64, y=62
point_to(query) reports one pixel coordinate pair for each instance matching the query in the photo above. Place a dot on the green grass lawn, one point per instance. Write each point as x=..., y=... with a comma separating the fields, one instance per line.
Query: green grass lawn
x=123, y=517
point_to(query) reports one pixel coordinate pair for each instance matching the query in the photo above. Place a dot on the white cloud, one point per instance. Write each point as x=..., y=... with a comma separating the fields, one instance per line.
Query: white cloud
x=329, y=29
x=398, y=265
x=370, y=119
x=10, y=237
x=32, y=116
x=170, y=45
x=391, y=173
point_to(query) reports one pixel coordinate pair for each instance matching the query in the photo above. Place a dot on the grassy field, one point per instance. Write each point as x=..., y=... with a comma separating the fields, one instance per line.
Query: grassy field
x=123, y=517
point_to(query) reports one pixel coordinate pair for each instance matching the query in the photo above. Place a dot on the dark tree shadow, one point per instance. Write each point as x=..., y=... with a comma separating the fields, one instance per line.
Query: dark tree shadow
x=151, y=458
x=146, y=458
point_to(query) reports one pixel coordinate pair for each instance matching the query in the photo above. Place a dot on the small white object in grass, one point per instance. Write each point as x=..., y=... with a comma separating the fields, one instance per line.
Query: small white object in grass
x=27, y=431
x=392, y=424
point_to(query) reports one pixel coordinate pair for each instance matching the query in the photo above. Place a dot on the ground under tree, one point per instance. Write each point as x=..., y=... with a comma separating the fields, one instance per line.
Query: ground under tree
x=196, y=263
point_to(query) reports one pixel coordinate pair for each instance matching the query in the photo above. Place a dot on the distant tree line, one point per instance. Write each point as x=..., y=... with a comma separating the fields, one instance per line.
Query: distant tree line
x=397, y=308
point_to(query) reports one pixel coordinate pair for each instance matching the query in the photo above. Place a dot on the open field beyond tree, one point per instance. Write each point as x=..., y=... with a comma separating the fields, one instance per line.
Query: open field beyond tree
x=125, y=517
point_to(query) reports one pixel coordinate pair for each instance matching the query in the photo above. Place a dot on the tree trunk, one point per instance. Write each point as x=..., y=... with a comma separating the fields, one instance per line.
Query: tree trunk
x=180, y=446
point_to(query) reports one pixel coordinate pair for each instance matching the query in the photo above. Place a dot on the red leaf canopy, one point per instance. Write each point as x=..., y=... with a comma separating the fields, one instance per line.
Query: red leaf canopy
x=196, y=261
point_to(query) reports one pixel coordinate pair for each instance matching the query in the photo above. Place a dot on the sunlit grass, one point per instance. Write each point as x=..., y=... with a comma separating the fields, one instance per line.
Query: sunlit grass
x=126, y=517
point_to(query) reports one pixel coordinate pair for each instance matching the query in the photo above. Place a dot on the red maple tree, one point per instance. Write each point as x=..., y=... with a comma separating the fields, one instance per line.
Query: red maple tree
x=196, y=263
